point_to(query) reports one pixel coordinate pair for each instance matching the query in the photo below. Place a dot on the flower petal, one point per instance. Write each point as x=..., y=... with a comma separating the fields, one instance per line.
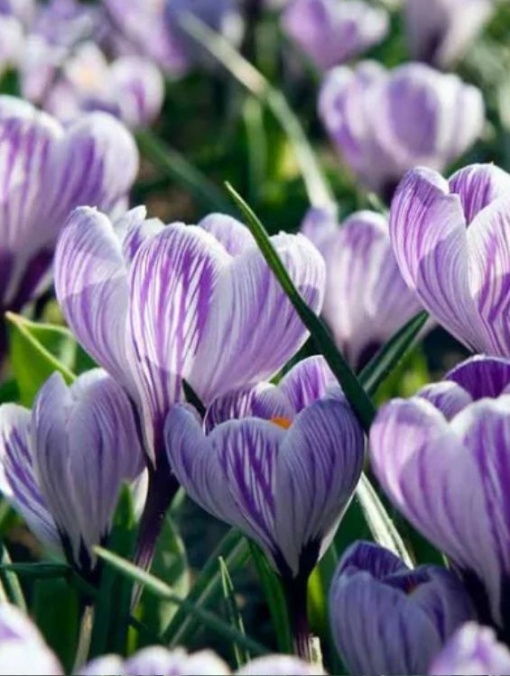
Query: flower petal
x=428, y=236
x=478, y=185
x=448, y=397
x=234, y=236
x=307, y=382
x=279, y=665
x=18, y=479
x=318, y=468
x=482, y=376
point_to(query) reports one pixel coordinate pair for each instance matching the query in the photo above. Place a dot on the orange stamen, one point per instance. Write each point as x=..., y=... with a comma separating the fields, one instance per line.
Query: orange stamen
x=282, y=422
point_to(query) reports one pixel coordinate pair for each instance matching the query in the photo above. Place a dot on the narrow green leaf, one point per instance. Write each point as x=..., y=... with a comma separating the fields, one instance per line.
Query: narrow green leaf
x=32, y=352
x=381, y=525
x=178, y=168
x=319, y=192
x=275, y=597
x=10, y=582
x=233, y=613
x=166, y=593
x=193, y=398
x=353, y=390
x=207, y=586
x=390, y=355
x=113, y=601
x=37, y=571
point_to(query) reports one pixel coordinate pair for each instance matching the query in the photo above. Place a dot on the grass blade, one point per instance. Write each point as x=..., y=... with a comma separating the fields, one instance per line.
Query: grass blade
x=166, y=593
x=176, y=167
x=233, y=614
x=10, y=583
x=318, y=190
x=390, y=355
x=353, y=390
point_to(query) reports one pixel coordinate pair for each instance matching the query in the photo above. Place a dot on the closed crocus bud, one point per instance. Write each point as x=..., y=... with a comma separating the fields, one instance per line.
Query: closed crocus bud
x=63, y=464
x=451, y=241
x=366, y=299
x=47, y=171
x=131, y=88
x=449, y=478
x=388, y=619
x=386, y=122
x=472, y=651
x=474, y=379
x=332, y=32
x=23, y=651
x=441, y=31
x=284, y=481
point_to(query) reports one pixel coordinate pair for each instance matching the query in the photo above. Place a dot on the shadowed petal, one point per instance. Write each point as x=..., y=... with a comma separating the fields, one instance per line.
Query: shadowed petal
x=482, y=376
x=319, y=465
x=92, y=290
x=264, y=401
x=427, y=230
x=306, y=382
x=18, y=481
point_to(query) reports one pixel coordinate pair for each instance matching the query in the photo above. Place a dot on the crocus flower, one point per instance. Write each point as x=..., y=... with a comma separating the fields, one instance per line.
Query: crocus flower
x=332, y=32
x=451, y=241
x=473, y=650
x=23, y=651
x=68, y=22
x=46, y=172
x=388, y=619
x=441, y=31
x=366, y=299
x=131, y=88
x=449, y=478
x=62, y=465
x=386, y=122
x=181, y=302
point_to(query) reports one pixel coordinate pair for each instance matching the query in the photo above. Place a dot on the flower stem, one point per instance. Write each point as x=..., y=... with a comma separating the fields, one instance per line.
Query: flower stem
x=296, y=596
x=85, y=637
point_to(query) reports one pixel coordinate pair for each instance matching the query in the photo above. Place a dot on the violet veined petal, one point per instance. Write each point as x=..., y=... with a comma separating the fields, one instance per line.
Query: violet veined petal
x=157, y=660
x=134, y=228
x=18, y=480
x=172, y=281
x=318, y=467
x=234, y=236
x=427, y=230
x=478, y=185
x=449, y=397
x=482, y=376
x=23, y=651
x=306, y=382
x=92, y=289
x=247, y=306
x=488, y=241
x=473, y=650
x=140, y=88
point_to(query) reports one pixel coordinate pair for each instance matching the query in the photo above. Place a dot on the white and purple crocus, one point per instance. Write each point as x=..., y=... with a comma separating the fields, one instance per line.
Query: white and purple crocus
x=63, y=464
x=451, y=239
x=366, y=299
x=389, y=619
x=384, y=123
x=46, y=171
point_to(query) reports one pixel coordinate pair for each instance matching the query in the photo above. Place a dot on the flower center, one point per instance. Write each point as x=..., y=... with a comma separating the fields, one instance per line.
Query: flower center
x=282, y=422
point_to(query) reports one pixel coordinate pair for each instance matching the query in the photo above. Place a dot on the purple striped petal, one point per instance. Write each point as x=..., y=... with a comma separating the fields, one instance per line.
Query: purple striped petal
x=387, y=619
x=264, y=401
x=141, y=90
x=482, y=376
x=235, y=236
x=318, y=469
x=18, y=479
x=92, y=290
x=449, y=397
x=477, y=186
x=307, y=382
x=247, y=306
x=473, y=650
x=413, y=452
x=86, y=446
x=22, y=648
x=428, y=235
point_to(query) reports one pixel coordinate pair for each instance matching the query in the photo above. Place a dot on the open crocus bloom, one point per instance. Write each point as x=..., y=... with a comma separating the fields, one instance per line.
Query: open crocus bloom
x=451, y=240
x=366, y=299
x=63, y=464
x=440, y=31
x=386, y=122
x=473, y=650
x=46, y=172
x=181, y=302
x=332, y=32
x=285, y=480
x=449, y=478
x=388, y=619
